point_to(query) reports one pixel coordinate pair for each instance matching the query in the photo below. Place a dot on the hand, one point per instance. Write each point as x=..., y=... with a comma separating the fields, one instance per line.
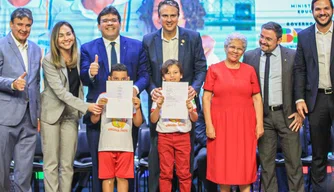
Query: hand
x=160, y=101
x=297, y=123
x=94, y=67
x=95, y=108
x=38, y=125
x=259, y=131
x=20, y=82
x=210, y=132
x=136, y=102
x=134, y=92
x=302, y=108
x=156, y=94
x=189, y=105
x=191, y=93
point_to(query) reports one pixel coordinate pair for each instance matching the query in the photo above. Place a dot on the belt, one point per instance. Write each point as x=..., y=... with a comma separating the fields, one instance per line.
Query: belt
x=327, y=91
x=276, y=108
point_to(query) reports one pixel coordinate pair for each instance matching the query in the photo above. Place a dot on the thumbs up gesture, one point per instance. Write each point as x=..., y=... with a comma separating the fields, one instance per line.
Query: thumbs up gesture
x=20, y=82
x=94, y=67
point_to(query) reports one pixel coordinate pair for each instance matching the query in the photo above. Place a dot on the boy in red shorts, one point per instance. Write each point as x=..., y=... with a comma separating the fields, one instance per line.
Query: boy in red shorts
x=115, y=146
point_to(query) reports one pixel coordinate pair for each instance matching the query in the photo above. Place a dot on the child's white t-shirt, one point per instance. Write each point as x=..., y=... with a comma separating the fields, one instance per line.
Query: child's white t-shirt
x=165, y=125
x=116, y=134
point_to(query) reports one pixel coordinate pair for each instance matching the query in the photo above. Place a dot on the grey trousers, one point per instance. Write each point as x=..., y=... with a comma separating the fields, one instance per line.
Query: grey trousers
x=274, y=128
x=17, y=143
x=59, y=144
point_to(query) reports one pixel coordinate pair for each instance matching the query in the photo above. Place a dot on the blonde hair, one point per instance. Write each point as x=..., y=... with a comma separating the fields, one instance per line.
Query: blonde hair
x=54, y=47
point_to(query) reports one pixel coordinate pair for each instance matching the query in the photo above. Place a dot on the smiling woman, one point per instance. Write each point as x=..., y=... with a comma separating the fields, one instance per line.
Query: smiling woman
x=232, y=107
x=62, y=106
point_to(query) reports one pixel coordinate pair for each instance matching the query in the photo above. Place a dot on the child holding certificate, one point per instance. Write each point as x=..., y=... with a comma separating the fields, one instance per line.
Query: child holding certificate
x=115, y=155
x=173, y=135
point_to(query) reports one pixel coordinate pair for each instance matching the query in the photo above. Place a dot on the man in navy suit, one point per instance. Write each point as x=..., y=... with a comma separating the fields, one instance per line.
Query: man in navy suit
x=172, y=42
x=19, y=101
x=314, y=81
x=97, y=56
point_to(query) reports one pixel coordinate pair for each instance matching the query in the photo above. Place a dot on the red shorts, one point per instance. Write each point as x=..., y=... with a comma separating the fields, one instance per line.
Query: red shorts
x=116, y=164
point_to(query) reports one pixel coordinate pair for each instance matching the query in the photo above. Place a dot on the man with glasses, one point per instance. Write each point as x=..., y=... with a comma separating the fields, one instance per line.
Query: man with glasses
x=172, y=42
x=97, y=56
x=274, y=67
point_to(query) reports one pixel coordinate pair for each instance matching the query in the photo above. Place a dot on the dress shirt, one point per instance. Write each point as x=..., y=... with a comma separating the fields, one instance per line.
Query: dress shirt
x=108, y=49
x=324, y=43
x=23, y=50
x=170, y=48
x=275, y=76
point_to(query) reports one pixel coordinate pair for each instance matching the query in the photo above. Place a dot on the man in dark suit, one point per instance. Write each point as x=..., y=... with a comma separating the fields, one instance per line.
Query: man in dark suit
x=172, y=42
x=96, y=59
x=19, y=101
x=274, y=67
x=314, y=78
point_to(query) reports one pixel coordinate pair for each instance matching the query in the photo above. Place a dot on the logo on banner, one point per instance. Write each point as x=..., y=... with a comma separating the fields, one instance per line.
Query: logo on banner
x=290, y=35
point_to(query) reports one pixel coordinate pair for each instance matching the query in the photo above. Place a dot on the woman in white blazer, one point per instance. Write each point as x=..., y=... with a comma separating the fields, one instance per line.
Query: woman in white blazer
x=61, y=107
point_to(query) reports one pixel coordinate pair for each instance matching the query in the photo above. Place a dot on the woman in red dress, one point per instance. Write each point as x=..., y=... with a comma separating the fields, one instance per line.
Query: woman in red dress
x=233, y=112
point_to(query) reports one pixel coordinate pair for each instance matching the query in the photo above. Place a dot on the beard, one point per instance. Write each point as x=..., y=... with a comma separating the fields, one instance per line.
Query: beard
x=323, y=24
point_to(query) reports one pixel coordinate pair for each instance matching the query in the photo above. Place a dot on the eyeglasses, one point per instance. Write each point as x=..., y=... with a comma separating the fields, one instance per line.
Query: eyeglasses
x=234, y=48
x=114, y=20
x=267, y=39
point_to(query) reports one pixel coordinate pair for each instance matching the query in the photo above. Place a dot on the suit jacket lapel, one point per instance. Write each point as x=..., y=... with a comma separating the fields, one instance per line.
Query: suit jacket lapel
x=158, y=46
x=16, y=50
x=63, y=70
x=257, y=64
x=123, y=49
x=332, y=58
x=313, y=44
x=285, y=59
x=30, y=55
x=103, y=55
x=182, y=44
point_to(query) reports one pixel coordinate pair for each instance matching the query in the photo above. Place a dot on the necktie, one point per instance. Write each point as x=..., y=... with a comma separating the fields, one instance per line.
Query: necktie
x=266, y=84
x=113, y=53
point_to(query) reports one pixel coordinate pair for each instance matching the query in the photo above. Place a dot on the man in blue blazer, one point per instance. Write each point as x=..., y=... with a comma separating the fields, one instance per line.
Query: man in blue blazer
x=96, y=59
x=172, y=42
x=19, y=101
x=314, y=81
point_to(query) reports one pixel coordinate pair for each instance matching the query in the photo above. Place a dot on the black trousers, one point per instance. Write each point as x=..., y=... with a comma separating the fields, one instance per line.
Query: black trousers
x=321, y=120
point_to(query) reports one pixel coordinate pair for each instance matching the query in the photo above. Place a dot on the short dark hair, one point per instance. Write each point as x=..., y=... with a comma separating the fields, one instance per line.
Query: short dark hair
x=108, y=10
x=277, y=28
x=170, y=3
x=313, y=1
x=21, y=13
x=168, y=63
x=118, y=67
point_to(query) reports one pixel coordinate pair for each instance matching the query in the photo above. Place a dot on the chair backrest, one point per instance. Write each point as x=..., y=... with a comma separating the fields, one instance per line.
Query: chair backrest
x=38, y=149
x=82, y=149
x=143, y=142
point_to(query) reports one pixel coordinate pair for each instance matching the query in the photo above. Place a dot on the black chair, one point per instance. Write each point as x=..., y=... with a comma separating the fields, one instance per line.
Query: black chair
x=143, y=151
x=38, y=162
x=83, y=162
